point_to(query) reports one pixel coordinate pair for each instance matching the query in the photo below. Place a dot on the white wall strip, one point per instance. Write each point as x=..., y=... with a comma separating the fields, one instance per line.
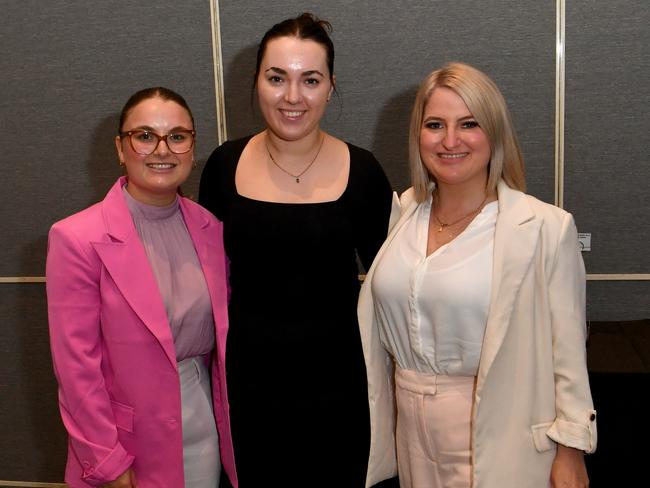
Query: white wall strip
x=222, y=129
x=31, y=484
x=559, y=102
x=22, y=279
x=618, y=277
x=596, y=277
x=590, y=277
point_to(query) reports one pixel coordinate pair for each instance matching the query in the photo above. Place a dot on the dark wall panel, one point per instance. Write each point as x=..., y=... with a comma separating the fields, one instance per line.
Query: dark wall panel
x=618, y=300
x=385, y=49
x=607, y=138
x=607, y=141
x=32, y=438
x=67, y=69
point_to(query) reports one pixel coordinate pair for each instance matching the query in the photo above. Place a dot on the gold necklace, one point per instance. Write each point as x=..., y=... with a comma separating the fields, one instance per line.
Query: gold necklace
x=297, y=177
x=442, y=224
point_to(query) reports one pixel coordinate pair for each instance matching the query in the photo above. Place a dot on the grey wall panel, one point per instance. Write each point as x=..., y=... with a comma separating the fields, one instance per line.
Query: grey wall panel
x=67, y=68
x=618, y=300
x=383, y=51
x=32, y=438
x=607, y=138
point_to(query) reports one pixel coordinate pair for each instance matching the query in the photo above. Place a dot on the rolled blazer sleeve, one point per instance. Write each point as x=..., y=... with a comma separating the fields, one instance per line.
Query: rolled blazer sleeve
x=575, y=423
x=74, y=301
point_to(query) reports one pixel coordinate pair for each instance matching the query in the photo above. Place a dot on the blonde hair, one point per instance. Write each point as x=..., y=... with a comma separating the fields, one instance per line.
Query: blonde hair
x=488, y=107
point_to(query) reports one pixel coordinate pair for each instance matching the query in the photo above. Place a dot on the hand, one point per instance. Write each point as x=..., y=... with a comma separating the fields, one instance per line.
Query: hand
x=568, y=470
x=125, y=480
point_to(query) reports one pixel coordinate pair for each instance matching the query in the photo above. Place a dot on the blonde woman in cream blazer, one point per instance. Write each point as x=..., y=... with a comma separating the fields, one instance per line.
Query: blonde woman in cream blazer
x=531, y=397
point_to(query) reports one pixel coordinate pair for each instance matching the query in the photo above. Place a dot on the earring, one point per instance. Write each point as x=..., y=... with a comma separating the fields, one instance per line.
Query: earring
x=195, y=164
x=121, y=163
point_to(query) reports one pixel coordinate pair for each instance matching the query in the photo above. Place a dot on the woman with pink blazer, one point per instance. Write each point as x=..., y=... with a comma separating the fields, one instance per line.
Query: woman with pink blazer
x=137, y=297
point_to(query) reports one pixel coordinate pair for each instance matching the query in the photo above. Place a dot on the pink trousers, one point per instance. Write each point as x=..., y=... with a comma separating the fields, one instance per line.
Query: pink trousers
x=433, y=429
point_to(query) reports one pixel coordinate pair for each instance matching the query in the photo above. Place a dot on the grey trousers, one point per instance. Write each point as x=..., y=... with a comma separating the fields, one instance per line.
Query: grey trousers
x=201, y=460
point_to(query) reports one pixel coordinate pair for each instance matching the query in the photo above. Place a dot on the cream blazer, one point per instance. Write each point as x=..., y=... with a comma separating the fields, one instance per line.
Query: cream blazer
x=532, y=387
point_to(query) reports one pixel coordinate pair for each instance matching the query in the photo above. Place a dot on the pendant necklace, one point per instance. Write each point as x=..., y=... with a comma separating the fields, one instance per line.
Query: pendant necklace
x=299, y=175
x=442, y=225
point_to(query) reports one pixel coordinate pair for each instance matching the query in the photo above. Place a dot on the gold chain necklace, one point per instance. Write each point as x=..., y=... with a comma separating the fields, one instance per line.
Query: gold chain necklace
x=442, y=225
x=297, y=177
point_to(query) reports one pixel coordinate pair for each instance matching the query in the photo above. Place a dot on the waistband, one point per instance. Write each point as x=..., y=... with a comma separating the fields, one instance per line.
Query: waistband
x=193, y=367
x=429, y=384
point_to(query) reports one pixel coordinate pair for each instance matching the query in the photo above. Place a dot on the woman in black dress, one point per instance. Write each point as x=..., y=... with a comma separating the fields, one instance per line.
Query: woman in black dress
x=298, y=205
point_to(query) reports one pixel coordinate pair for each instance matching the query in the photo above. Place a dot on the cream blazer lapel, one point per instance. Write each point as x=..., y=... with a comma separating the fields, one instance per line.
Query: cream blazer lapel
x=515, y=242
x=382, y=463
x=401, y=210
x=128, y=265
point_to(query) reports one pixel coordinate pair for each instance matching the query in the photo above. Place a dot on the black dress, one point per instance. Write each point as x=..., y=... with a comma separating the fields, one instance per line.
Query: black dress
x=296, y=375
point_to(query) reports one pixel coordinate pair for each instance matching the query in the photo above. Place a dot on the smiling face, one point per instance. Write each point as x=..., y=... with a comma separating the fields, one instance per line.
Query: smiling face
x=293, y=87
x=453, y=148
x=154, y=179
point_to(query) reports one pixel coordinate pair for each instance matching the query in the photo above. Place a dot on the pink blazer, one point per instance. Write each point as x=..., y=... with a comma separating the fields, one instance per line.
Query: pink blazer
x=112, y=348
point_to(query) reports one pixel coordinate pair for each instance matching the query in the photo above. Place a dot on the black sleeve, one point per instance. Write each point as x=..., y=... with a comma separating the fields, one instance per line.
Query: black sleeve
x=372, y=196
x=217, y=184
x=211, y=185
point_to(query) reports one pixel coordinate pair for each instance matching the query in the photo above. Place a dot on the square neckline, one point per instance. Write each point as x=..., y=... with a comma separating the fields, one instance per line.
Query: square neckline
x=271, y=202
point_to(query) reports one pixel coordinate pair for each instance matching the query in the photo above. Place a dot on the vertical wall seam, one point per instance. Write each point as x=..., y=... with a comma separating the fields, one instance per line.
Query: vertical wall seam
x=217, y=61
x=560, y=60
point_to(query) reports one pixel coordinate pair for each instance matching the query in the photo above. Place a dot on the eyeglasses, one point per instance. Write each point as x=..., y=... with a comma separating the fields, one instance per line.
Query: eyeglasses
x=145, y=142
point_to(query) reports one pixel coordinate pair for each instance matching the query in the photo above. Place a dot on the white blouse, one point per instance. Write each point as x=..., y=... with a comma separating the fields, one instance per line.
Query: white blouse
x=432, y=310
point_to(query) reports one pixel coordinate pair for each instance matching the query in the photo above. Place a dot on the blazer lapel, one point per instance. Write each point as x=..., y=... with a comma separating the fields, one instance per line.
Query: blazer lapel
x=400, y=212
x=515, y=243
x=207, y=235
x=126, y=261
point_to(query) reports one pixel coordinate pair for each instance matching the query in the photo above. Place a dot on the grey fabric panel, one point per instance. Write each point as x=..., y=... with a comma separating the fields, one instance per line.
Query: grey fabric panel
x=607, y=137
x=618, y=300
x=385, y=49
x=32, y=438
x=67, y=68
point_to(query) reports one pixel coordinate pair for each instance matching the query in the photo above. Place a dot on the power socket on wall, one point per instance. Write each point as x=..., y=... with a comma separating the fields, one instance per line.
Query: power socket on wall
x=584, y=241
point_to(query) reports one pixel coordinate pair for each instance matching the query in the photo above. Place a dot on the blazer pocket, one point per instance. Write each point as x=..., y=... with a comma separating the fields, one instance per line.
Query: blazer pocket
x=541, y=440
x=123, y=416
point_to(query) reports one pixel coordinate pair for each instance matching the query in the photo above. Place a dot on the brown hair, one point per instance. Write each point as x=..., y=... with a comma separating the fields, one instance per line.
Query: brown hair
x=306, y=26
x=153, y=92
